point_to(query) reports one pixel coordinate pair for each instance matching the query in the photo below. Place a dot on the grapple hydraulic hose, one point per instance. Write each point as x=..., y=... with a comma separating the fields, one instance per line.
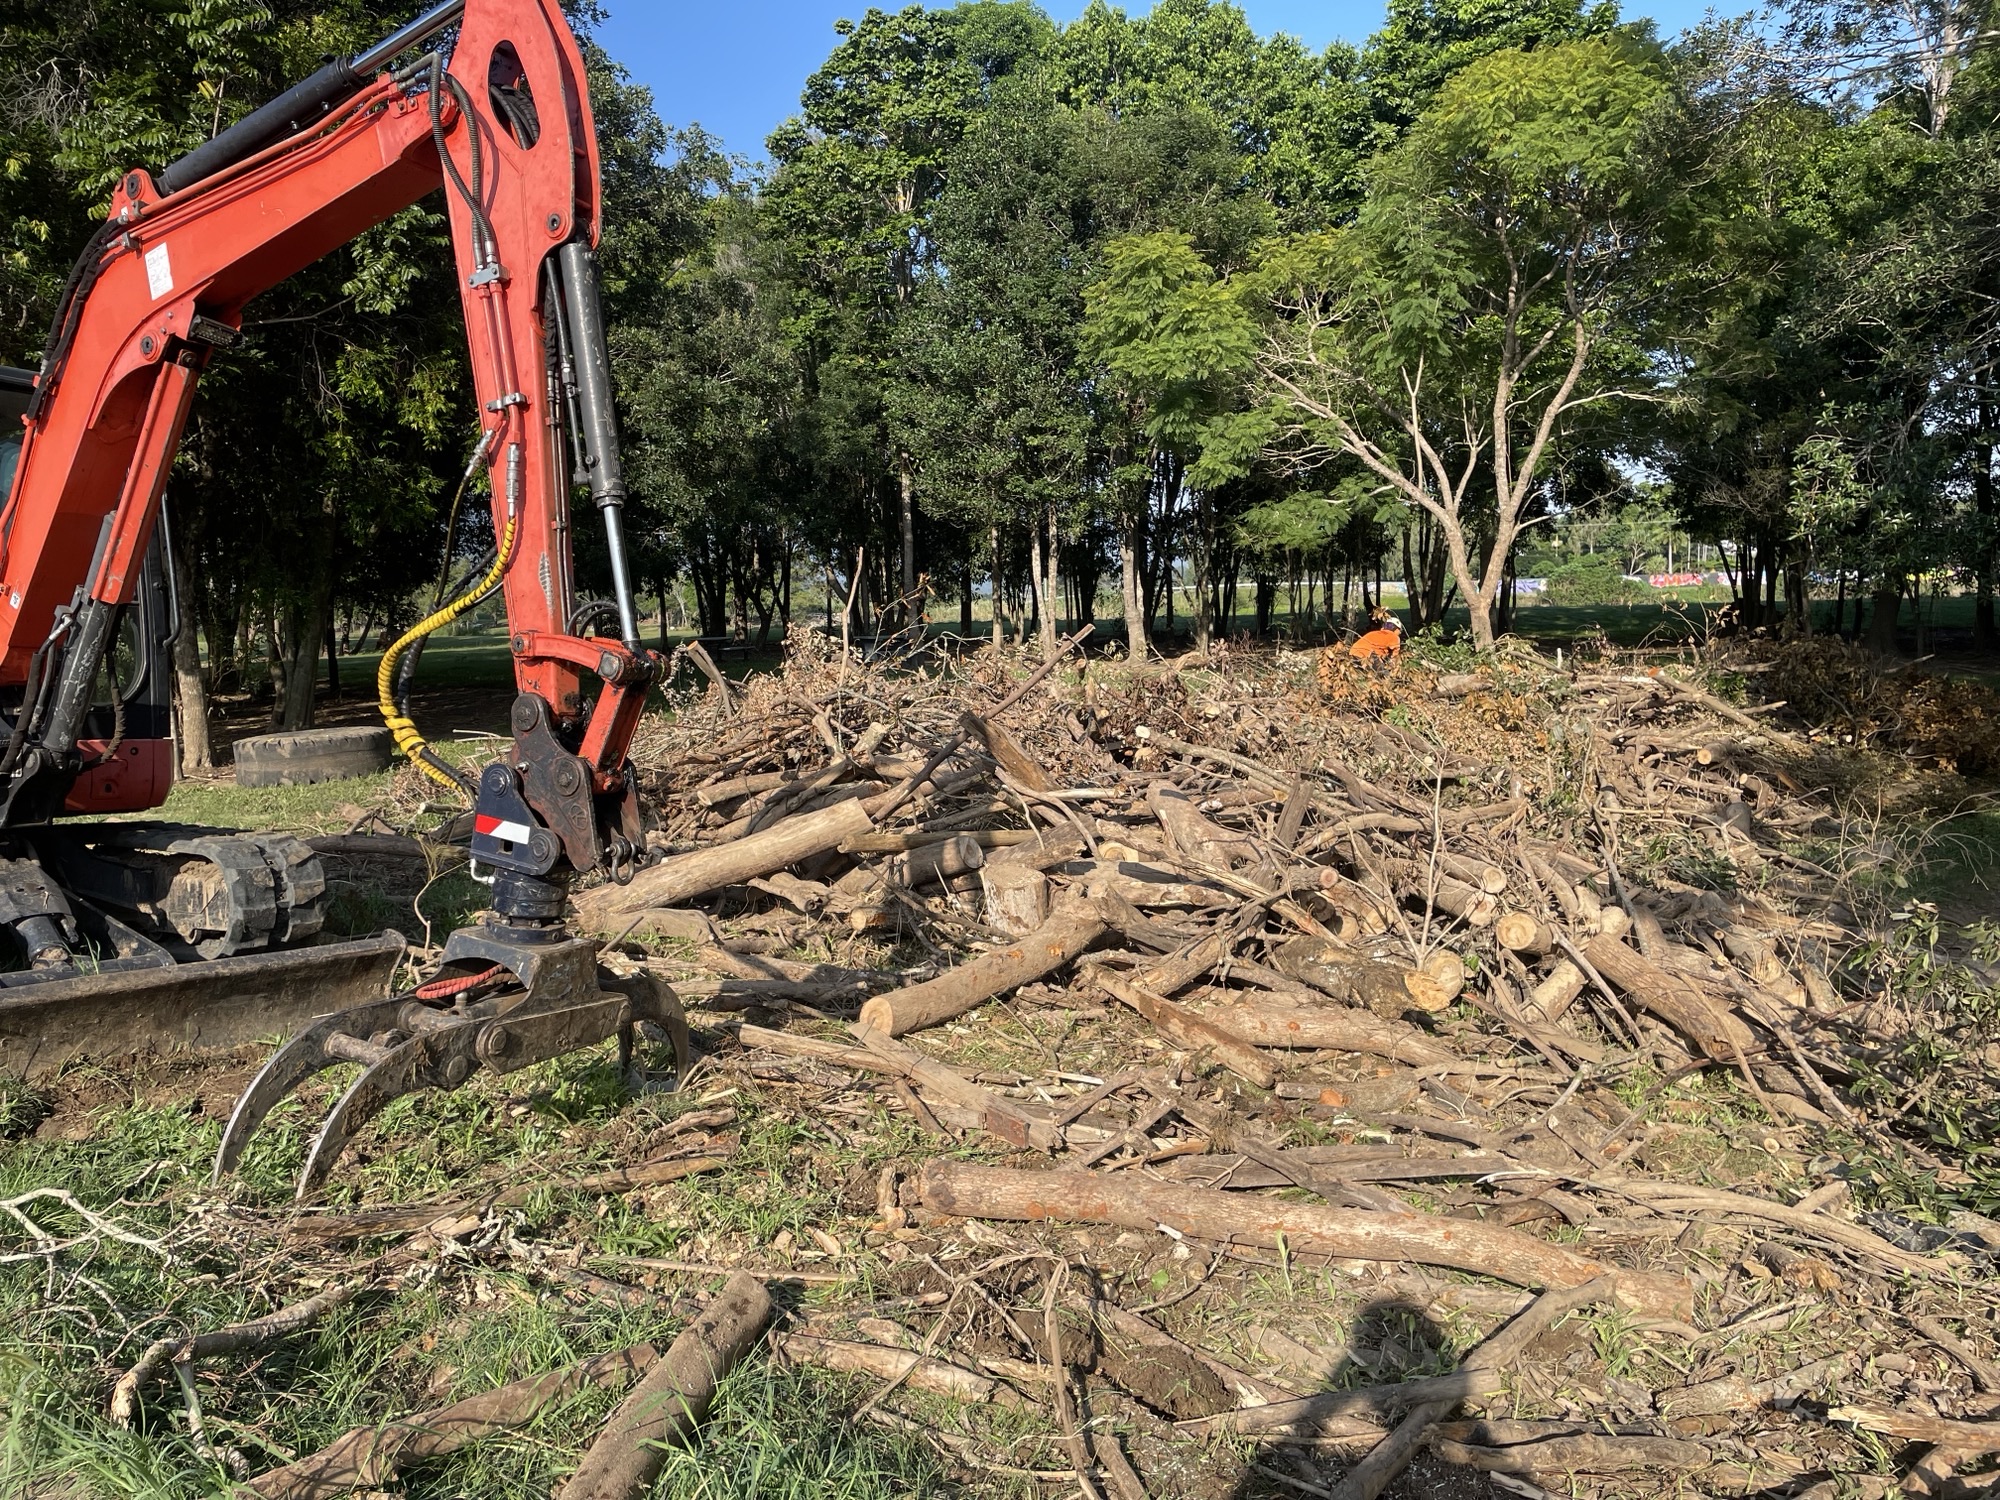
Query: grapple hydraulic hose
x=408, y=740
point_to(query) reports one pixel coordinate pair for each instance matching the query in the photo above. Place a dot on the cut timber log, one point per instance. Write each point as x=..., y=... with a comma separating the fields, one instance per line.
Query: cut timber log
x=1717, y=1033
x=1145, y=885
x=976, y=1192
x=685, y=876
x=1070, y=929
x=1012, y=755
x=1387, y=989
x=1525, y=933
x=904, y=1366
x=672, y=1397
x=1017, y=898
x=926, y=865
x=1551, y=999
x=1335, y=1028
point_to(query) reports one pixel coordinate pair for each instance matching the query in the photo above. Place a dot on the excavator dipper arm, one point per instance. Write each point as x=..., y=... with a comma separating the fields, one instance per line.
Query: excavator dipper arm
x=504, y=127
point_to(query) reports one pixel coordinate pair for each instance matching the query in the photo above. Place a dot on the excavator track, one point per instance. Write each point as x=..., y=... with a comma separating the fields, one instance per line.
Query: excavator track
x=199, y=892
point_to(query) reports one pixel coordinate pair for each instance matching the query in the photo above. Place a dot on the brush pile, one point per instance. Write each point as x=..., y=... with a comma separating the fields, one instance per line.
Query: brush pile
x=1396, y=989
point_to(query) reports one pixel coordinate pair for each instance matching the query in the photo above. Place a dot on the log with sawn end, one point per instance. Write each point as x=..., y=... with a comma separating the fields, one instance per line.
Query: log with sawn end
x=682, y=877
x=1071, y=928
x=978, y=1192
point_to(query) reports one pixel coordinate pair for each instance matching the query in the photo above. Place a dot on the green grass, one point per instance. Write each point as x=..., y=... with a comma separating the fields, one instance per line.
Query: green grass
x=485, y=1316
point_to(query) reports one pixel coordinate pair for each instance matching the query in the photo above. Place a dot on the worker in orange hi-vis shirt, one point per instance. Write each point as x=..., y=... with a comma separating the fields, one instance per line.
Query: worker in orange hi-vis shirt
x=1384, y=641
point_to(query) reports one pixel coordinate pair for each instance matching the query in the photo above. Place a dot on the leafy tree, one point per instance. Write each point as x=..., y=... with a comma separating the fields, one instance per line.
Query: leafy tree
x=1496, y=285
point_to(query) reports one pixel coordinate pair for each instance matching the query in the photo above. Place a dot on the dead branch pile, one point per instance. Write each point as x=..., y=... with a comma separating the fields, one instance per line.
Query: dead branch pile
x=1399, y=986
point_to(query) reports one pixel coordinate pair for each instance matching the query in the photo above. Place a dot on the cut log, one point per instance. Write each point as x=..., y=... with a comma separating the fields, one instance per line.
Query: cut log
x=1073, y=927
x=1717, y=1033
x=905, y=1367
x=369, y=1458
x=1012, y=756
x=972, y=1191
x=1551, y=999
x=1335, y=1028
x=1525, y=933
x=1017, y=898
x=1192, y=1032
x=1344, y=974
x=925, y=865
x=1474, y=872
x=673, y=1397
x=1144, y=885
x=685, y=876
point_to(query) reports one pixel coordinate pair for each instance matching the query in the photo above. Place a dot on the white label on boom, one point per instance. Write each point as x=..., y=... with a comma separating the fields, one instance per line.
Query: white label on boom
x=159, y=271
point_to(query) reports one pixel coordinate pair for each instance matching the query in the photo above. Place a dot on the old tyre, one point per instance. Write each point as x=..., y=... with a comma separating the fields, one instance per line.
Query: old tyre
x=309, y=755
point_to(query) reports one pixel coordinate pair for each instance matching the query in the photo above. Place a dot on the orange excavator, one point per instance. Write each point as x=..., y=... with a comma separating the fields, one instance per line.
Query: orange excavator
x=131, y=936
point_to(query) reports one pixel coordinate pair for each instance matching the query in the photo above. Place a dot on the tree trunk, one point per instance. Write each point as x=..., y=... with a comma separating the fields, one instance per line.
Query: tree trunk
x=1885, y=604
x=1984, y=634
x=965, y=596
x=332, y=659
x=999, y=628
x=1129, y=587
x=906, y=487
x=1051, y=595
x=190, y=693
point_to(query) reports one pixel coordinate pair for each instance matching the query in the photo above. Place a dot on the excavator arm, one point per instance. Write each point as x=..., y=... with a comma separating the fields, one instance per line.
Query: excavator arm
x=506, y=129
x=504, y=126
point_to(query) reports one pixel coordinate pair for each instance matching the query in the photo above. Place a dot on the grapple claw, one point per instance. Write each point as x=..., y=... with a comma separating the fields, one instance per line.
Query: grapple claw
x=565, y=1003
x=291, y=1065
x=440, y=1059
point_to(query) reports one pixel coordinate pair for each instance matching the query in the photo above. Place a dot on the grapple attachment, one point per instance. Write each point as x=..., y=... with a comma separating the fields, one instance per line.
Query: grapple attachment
x=500, y=1004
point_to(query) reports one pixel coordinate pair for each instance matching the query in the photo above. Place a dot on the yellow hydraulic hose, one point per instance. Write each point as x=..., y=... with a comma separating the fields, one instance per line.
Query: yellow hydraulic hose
x=408, y=740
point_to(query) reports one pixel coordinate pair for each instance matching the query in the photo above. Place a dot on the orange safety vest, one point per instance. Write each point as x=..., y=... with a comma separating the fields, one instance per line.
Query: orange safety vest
x=1378, y=645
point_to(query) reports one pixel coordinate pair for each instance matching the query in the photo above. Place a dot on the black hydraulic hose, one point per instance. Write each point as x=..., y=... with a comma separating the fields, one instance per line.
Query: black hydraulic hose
x=485, y=244
x=69, y=312
x=30, y=692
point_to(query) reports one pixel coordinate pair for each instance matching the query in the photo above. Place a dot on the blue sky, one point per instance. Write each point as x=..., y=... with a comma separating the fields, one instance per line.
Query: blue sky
x=736, y=68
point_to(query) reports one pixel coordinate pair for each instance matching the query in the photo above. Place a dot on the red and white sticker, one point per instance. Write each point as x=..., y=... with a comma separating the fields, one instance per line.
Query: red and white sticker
x=500, y=828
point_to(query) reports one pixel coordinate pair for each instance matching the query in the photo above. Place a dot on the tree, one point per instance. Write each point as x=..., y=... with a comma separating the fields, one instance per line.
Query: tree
x=865, y=160
x=1422, y=43
x=1496, y=285
x=1171, y=334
